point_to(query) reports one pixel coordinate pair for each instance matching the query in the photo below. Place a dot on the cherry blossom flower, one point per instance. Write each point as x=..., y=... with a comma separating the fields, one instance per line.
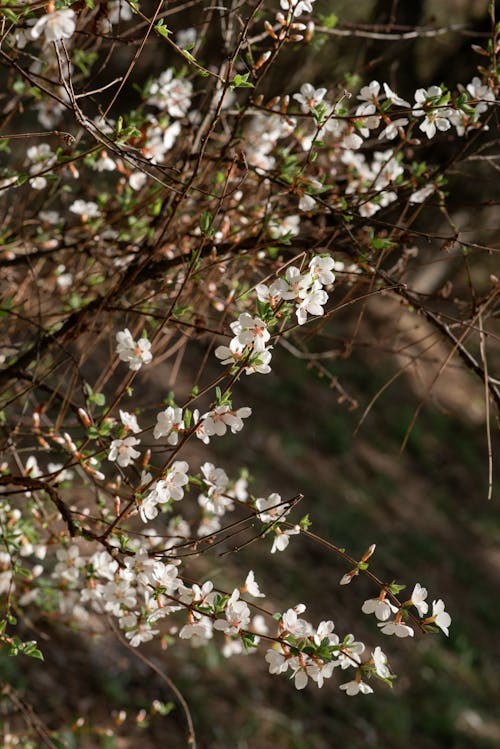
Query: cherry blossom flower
x=231, y=354
x=135, y=353
x=319, y=672
x=309, y=97
x=282, y=538
x=396, y=628
x=271, y=294
x=85, y=208
x=300, y=668
x=129, y=421
x=172, y=94
x=60, y=24
x=370, y=92
x=280, y=228
x=435, y=118
x=252, y=587
x=250, y=331
x=168, y=424
x=325, y=631
x=440, y=617
x=259, y=362
x=148, y=507
x=278, y=664
x=103, y=564
x=69, y=563
x=118, y=11
x=137, y=630
x=394, y=98
x=137, y=180
x=237, y=616
x=216, y=481
x=291, y=623
x=321, y=267
x=186, y=38
x=199, y=632
x=123, y=452
x=165, y=575
x=220, y=418
x=297, y=7
x=271, y=508
x=351, y=649
x=380, y=663
x=418, y=599
x=382, y=608
x=352, y=140
x=392, y=129
x=312, y=303
x=356, y=687
x=172, y=486
x=420, y=195
x=118, y=596
x=297, y=284
x=62, y=474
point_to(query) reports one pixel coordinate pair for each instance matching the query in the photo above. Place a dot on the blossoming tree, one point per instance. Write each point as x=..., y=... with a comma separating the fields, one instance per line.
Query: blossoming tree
x=198, y=221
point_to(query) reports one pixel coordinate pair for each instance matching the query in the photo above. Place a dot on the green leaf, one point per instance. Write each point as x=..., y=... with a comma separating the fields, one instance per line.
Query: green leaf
x=395, y=588
x=241, y=81
x=206, y=220
x=162, y=29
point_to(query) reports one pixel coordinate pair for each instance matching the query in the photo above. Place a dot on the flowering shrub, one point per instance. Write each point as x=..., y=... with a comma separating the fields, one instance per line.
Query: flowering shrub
x=205, y=218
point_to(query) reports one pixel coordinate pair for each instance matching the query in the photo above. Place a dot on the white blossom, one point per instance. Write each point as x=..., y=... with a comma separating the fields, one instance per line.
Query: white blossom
x=396, y=628
x=129, y=421
x=356, y=687
x=135, y=353
x=85, y=208
x=60, y=24
x=309, y=97
x=380, y=663
x=440, y=617
x=168, y=424
x=220, y=418
x=237, y=616
x=381, y=608
x=123, y=452
x=172, y=94
x=418, y=599
x=252, y=587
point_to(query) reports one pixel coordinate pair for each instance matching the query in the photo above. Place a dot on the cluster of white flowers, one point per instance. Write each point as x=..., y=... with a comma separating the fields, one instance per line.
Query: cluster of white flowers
x=171, y=94
x=314, y=653
x=262, y=136
x=164, y=491
x=159, y=140
x=305, y=289
x=372, y=180
x=217, y=421
x=383, y=608
x=141, y=582
x=273, y=511
x=218, y=497
x=248, y=346
x=42, y=159
x=297, y=7
x=85, y=208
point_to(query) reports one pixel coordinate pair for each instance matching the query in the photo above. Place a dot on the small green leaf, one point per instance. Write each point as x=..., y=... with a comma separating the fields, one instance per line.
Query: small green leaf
x=241, y=81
